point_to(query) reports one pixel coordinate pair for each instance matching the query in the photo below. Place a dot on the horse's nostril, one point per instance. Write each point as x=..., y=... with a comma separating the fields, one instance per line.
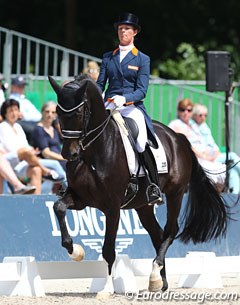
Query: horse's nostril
x=74, y=157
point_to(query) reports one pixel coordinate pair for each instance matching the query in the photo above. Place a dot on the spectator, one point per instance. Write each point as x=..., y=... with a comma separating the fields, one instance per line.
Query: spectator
x=7, y=173
x=2, y=90
x=92, y=69
x=46, y=138
x=199, y=121
x=29, y=114
x=15, y=144
x=215, y=170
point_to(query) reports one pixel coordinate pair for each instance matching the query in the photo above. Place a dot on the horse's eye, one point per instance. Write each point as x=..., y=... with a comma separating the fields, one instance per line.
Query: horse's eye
x=79, y=111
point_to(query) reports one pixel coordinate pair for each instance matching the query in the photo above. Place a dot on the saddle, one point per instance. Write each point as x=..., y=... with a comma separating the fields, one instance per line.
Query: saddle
x=129, y=130
x=132, y=128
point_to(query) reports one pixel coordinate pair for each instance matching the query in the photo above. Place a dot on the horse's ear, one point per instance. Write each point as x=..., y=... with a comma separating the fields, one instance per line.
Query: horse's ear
x=54, y=85
x=80, y=92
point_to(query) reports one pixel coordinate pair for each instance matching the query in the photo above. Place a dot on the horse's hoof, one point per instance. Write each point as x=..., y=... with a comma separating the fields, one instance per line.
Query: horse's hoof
x=164, y=286
x=103, y=295
x=155, y=285
x=78, y=253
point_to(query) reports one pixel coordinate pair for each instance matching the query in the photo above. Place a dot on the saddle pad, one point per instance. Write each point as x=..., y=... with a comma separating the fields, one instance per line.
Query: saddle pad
x=159, y=155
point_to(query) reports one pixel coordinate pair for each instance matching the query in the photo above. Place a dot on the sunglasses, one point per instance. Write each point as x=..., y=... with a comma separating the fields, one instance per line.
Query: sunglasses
x=202, y=115
x=185, y=109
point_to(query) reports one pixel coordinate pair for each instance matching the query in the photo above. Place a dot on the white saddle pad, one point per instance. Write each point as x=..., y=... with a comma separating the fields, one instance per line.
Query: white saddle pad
x=159, y=155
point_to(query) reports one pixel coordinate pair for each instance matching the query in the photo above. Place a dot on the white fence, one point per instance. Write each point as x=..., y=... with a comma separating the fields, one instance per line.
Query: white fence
x=23, y=275
x=26, y=55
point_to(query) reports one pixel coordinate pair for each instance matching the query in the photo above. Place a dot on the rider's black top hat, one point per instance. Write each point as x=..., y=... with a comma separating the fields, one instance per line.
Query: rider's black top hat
x=128, y=18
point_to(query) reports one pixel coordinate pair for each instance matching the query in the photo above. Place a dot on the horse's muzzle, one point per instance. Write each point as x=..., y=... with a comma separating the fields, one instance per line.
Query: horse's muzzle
x=70, y=150
x=74, y=157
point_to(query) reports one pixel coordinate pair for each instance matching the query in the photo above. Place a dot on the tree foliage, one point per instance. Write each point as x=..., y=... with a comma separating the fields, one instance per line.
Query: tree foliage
x=189, y=64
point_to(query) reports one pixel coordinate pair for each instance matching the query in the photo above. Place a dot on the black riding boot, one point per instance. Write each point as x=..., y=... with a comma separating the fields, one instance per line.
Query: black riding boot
x=153, y=192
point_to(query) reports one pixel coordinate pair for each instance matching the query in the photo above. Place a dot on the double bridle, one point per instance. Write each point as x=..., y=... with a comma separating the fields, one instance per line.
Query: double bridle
x=83, y=134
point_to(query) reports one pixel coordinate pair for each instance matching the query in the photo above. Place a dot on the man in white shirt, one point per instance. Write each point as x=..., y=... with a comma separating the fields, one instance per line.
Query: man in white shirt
x=29, y=114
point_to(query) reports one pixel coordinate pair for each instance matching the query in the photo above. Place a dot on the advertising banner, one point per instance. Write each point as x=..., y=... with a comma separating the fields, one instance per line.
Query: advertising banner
x=28, y=226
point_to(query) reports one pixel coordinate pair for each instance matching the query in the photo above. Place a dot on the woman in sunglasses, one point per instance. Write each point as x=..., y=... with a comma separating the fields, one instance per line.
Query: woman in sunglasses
x=215, y=170
x=199, y=116
x=183, y=125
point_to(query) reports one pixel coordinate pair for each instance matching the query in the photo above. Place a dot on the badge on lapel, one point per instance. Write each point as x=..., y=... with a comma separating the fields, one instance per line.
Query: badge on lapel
x=133, y=67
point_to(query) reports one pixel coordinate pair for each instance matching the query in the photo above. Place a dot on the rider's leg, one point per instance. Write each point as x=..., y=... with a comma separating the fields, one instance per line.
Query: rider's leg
x=137, y=115
x=153, y=192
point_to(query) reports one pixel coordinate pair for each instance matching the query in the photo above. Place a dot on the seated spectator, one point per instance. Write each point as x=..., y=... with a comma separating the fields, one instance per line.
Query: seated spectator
x=29, y=114
x=46, y=138
x=14, y=143
x=212, y=150
x=92, y=70
x=7, y=173
x=215, y=170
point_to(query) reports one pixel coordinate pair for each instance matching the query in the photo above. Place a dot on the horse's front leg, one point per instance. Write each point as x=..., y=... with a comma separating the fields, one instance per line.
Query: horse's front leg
x=60, y=208
x=108, y=251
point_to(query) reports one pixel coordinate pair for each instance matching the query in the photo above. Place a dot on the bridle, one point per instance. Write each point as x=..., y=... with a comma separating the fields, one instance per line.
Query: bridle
x=82, y=135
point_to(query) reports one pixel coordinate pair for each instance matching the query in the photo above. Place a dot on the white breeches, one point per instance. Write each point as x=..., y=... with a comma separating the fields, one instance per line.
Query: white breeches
x=132, y=112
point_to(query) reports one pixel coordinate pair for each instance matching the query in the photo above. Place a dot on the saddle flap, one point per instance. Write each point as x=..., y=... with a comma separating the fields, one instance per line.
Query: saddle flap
x=132, y=127
x=159, y=153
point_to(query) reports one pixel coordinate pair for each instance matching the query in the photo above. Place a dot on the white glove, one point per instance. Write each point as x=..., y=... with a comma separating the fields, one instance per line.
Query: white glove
x=119, y=100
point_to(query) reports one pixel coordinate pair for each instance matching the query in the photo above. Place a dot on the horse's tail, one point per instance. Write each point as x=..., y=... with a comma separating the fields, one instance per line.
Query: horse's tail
x=206, y=214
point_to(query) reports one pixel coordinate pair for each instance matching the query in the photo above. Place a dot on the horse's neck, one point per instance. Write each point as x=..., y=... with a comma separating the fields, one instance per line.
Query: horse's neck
x=109, y=139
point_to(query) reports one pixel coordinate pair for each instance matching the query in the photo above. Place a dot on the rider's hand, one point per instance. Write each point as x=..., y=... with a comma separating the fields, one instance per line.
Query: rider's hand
x=119, y=100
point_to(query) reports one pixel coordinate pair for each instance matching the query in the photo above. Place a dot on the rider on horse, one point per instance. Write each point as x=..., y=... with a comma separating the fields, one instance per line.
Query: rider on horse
x=127, y=70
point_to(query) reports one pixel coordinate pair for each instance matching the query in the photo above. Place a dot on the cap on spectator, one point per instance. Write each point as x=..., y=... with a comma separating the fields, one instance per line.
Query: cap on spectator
x=1, y=76
x=19, y=81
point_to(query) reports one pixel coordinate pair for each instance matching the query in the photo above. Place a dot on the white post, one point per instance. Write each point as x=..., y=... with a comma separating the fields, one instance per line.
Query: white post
x=208, y=275
x=29, y=282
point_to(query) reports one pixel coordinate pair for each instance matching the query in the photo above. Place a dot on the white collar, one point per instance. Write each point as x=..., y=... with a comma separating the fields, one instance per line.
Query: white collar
x=126, y=48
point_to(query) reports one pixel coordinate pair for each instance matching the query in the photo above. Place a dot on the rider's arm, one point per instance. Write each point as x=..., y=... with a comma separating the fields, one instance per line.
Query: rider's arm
x=102, y=78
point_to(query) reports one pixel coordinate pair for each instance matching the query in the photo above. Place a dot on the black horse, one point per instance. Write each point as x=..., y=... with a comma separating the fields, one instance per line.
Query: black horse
x=98, y=176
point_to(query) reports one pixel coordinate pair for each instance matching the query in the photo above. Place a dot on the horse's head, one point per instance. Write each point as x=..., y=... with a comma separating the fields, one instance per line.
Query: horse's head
x=74, y=111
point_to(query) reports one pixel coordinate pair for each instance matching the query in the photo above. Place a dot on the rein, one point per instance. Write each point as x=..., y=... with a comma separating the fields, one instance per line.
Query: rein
x=104, y=125
x=82, y=135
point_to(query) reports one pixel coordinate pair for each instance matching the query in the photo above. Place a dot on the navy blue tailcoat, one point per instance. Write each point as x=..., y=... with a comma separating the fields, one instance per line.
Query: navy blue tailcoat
x=130, y=78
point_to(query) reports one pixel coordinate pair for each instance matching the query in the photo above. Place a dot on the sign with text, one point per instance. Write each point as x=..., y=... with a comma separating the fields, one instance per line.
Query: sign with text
x=28, y=226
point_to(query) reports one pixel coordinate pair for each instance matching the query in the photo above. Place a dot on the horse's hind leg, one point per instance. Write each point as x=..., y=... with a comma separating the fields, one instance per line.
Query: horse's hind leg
x=149, y=222
x=169, y=233
x=60, y=208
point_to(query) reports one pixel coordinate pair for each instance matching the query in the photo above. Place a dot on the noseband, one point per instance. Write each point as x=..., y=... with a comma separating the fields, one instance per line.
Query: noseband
x=82, y=135
x=71, y=134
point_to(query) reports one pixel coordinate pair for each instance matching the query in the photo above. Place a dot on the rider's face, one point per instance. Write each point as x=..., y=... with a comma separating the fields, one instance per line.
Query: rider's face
x=126, y=34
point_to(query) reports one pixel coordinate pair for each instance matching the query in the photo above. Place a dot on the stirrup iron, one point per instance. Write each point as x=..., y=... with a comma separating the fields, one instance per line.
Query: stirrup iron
x=154, y=195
